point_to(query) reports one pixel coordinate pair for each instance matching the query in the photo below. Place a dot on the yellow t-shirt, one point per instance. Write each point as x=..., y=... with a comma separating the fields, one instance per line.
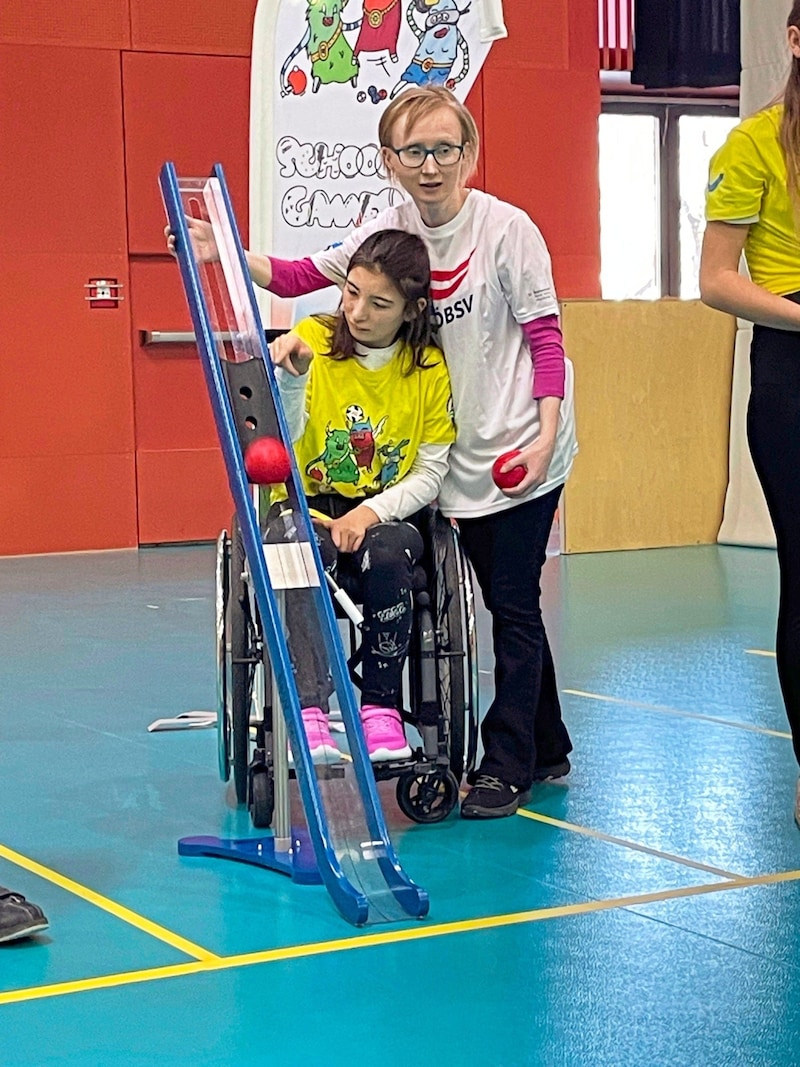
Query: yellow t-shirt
x=364, y=427
x=747, y=184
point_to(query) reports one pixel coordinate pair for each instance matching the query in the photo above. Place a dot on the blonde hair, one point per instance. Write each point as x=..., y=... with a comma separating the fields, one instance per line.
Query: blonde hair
x=417, y=103
x=790, y=123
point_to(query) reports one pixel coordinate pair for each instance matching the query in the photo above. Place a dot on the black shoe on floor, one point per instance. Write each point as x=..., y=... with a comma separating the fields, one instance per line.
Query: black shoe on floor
x=18, y=917
x=557, y=770
x=491, y=798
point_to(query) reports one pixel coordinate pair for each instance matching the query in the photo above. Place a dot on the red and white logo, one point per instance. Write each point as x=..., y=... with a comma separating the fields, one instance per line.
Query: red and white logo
x=446, y=282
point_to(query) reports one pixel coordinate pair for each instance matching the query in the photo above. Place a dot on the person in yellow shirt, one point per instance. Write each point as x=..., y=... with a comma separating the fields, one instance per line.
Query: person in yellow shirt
x=367, y=397
x=753, y=207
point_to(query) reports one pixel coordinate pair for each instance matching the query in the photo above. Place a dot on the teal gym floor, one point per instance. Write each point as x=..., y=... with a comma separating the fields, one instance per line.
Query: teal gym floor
x=645, y=912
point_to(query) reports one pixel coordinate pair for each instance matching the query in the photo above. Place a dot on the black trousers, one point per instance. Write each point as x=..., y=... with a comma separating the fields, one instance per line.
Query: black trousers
x=380, y=577
x=523, y=728
x=773, y=433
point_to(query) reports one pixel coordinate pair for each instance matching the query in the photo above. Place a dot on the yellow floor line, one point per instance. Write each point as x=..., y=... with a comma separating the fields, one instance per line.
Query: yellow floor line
x=665, y=709
x=415, y=933
x=111, y=906
x=759, y=652
x=600, y=836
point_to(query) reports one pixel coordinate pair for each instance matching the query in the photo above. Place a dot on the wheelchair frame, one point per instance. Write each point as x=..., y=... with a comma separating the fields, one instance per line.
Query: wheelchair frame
x=442, y=690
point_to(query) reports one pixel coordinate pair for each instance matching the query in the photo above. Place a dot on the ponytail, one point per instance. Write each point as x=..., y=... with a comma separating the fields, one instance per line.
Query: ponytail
x=790, y=124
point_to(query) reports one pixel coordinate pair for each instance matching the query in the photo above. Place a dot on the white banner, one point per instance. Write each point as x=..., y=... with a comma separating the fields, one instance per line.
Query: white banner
x=322, y=72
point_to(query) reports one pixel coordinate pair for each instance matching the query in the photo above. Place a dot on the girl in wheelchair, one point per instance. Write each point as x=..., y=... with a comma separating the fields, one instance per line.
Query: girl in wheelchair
x=367, y=396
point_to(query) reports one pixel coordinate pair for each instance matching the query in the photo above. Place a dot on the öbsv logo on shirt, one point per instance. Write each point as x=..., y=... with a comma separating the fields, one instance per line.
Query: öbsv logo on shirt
x=446, y=283
x=444, y=314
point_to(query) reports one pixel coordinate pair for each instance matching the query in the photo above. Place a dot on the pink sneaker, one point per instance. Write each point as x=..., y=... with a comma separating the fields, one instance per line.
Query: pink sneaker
x=323, y=747
x=383, y=732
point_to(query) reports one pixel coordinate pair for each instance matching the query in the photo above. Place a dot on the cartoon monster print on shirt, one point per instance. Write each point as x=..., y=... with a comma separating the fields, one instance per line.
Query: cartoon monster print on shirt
x=335, y=463
x=362, y=435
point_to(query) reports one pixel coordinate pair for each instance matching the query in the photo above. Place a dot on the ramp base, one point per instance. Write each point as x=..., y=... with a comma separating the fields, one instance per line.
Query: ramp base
x=298, y=861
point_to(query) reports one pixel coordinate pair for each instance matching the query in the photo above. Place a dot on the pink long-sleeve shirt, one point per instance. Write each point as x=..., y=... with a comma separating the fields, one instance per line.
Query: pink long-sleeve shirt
x=297, y=277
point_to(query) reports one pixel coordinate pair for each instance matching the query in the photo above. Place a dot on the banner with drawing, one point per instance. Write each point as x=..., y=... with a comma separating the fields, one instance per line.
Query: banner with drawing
x=323, y=70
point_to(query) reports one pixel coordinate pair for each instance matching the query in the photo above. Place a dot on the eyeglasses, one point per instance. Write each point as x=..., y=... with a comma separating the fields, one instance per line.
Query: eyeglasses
x=414, y=155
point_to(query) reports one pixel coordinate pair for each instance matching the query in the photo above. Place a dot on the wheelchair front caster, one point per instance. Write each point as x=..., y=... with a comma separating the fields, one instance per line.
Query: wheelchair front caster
x=262, y=799
x=427, y=797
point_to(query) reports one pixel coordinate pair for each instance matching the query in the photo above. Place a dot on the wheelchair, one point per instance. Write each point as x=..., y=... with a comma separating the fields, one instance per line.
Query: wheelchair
x=440, y=692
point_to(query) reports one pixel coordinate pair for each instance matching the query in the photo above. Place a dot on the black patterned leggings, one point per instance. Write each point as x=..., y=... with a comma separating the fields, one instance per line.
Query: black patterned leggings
x=773, y=433
x=379, y=576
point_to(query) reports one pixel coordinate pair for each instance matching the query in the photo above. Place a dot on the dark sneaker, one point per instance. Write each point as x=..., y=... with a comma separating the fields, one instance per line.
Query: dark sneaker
x=797, y=804
x=548, y=774
x=18, y=917
x=490, y=798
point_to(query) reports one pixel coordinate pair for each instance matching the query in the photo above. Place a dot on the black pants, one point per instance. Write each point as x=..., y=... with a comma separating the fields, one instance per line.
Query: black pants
x=523, y=728
x=773, y=433
x=380, y=577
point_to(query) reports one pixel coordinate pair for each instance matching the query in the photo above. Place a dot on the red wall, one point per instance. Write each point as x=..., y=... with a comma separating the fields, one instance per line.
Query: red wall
x=104, y=442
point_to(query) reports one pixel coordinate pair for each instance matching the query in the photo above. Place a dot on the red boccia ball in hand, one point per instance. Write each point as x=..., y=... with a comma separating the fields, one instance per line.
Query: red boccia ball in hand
x=267, y=461
x=507, y=479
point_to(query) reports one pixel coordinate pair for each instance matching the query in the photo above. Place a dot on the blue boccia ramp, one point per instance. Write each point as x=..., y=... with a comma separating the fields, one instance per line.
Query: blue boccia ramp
x=346, y=828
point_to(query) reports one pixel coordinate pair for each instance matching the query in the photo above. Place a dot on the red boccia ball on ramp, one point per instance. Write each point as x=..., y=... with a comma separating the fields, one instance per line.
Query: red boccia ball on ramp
x=267, y=461
x=507, y=479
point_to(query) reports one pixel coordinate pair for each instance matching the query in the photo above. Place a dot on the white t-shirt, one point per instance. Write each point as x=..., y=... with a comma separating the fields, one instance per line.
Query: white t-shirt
x=491, y=272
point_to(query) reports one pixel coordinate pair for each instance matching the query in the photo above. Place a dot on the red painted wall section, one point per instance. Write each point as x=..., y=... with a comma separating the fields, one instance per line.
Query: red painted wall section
x=170, y=115
x=66, y=411
x=200, y=27
x=68, y=23
x=541, y=102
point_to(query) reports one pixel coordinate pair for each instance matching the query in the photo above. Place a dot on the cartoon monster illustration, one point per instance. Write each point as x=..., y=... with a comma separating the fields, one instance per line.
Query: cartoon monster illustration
x=392, y=458
x=440, y=43
x=327, y=48
x=362, y=435
x=380, y=27
x=336, y=460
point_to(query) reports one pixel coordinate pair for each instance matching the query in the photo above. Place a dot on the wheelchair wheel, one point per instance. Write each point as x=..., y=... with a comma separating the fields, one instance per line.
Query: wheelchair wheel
x=221, y=611
x=454, y=651
x=429, y=797
x=240, y=659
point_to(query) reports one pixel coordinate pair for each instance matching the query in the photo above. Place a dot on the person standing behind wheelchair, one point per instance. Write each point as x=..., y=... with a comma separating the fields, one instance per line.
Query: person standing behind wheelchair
x=368, y=401
x=753, y=206
x=496, y=311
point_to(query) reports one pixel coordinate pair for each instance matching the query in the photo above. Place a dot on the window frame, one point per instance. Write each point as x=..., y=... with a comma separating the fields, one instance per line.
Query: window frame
x=668, y=113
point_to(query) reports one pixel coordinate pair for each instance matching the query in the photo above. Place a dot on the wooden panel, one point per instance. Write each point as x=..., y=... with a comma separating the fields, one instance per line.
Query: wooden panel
x=653, y=393
x=66, y=369
x=67, y=504
x=61, y=158
x=86, y=23
x=183, y=496
x=204, y=26
x=172, y=405
x=193, y=111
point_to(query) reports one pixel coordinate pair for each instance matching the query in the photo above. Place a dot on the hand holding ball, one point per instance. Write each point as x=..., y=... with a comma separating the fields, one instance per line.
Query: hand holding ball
x=510, y=478
x=267, y=461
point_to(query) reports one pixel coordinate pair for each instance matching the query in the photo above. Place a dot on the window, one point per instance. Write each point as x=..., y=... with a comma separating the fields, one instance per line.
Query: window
x=653, y=170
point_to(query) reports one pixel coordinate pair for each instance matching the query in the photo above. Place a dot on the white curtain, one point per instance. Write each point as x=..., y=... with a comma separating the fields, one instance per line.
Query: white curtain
x=765, y=64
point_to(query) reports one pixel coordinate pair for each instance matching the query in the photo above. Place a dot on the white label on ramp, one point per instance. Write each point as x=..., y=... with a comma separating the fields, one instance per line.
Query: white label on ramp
x=291, y=565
